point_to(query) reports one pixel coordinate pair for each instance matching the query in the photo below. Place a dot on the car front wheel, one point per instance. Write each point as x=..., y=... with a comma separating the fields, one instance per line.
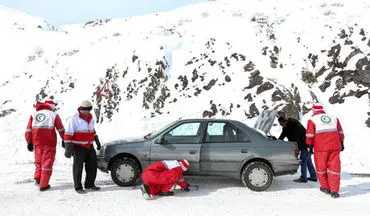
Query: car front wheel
x=125, y=172
x=257, y=176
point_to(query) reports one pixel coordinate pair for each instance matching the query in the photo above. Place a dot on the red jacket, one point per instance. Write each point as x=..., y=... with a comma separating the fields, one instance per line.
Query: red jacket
x=174, y=167
x=324, y=132
x=41, y=126
x=80, y=131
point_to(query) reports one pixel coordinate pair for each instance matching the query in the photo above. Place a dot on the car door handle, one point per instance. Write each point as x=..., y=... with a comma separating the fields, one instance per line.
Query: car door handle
x=244, y=150
x=192, y=151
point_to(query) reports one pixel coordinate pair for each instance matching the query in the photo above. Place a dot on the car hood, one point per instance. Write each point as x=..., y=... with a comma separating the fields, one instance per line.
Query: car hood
x=126, y=141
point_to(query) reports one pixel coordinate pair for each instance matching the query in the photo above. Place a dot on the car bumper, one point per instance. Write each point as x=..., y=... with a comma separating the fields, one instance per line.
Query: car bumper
x=286, y=168
x=102, y=164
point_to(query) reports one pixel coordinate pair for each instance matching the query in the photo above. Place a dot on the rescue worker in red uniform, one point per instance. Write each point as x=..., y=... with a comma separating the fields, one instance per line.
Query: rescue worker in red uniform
x=79, y=138
x=41, y=138
x=160, y=178
x=325, y=135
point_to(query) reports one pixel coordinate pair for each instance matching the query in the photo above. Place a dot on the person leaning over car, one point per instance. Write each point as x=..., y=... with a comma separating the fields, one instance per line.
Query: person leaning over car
x=79, y=136
x=294, y=131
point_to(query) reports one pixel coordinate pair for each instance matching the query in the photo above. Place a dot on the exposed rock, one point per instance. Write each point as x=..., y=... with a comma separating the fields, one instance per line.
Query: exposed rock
x=339, y=84
x=253, y=111
x=134, y=57
x=211, y=62
x=277, y=95
x=264, y=87
x=195, y=75
x=336, y=98
x=227, y=78
x=249, y=67
x=313, y=59
x=254, y=80
x=211, y=113
x=362, y=77
x=184, y=81
x=210, y=84
x=290, y=111
x=6, y=112
x=324, y=86
x=197, y=91
x=249, y=97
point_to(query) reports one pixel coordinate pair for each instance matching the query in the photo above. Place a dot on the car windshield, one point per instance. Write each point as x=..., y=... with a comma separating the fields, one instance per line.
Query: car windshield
x=156, y=133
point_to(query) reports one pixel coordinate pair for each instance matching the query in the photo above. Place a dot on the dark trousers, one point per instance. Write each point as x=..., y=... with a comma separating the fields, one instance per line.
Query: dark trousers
x=83, y=155
x=306, y=164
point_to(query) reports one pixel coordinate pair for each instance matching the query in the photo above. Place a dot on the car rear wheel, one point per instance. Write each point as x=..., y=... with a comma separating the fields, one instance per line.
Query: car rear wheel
x=125, y=172
x=257, y=176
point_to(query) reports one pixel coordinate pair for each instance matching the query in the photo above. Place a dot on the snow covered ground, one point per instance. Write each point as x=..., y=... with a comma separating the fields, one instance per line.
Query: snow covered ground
x=216, y=196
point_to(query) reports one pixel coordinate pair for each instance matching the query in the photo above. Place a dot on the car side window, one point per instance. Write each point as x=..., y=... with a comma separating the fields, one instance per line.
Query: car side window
x=222, y=132
x=184, y=133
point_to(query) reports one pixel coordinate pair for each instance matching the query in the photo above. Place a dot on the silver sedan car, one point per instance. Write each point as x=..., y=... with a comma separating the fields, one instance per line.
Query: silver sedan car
x=213, y=147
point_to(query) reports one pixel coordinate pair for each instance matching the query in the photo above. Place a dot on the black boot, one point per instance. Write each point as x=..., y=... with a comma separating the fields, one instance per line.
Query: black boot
x=312, y=179
x=45, y=188
x=334, y=195
x=169, y=193
x=95, y=188
x=327, y=191
x=300, y=180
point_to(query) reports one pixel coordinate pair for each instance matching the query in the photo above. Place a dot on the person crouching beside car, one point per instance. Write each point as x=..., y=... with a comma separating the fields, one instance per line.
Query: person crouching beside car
x=160, y=178
x=79, y=137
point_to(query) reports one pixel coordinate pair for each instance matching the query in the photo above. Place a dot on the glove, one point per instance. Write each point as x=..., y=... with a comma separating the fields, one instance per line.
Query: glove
x=63, y=144
x=69, y=151
x=30, y=147
x=187, y=189
x=310, y=149
x=341, y=142
x=98, y=146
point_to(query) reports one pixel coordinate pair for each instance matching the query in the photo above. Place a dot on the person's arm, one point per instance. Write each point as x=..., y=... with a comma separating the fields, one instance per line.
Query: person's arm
x=181, y=182
x=68, y=138
x=97, y=141
x=310, y=134
x=341, y=135
x=283, y=133
x=59, y=126
x=28, y=133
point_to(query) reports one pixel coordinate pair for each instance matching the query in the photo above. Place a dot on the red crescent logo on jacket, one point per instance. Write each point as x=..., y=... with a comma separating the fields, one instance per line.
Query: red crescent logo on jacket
x=40, y=117
x=325, y=119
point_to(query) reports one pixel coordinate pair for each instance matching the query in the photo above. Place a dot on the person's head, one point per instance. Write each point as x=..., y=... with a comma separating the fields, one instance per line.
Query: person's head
x=317, y=108
x=51, y=104
x=184, y=164
x=85, y=107
x=283, y=121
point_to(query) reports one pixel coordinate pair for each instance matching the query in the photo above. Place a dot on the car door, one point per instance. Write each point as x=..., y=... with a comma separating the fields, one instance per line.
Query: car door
x=224, y=147
x=182, y=141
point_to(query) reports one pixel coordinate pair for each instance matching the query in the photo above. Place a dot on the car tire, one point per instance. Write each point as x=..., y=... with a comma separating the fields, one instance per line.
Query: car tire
x=125, y=172
x=257, y=176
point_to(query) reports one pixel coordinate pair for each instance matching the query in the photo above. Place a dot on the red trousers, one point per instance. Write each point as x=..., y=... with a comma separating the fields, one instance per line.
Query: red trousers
x=328, y=169
x=159, y=181
x=44, y=160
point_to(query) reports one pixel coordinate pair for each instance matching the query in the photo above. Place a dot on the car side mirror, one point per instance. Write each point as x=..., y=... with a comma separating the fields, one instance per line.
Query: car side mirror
x=161, y=140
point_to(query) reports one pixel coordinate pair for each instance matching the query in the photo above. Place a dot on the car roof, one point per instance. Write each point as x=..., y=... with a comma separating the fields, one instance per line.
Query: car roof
x=207, y=120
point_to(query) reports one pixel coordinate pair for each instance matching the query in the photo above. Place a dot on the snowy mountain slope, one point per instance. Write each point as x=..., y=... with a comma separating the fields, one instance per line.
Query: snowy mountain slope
x=224, y=59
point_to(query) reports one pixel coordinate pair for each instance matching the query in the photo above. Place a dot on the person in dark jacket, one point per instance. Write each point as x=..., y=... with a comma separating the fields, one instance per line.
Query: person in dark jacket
x=294, y=131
